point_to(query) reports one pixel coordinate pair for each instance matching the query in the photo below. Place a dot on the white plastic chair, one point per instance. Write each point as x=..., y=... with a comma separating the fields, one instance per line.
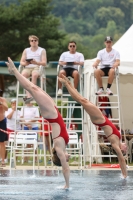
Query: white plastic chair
x=74, y=146
x=21, y=140
x=42, y=76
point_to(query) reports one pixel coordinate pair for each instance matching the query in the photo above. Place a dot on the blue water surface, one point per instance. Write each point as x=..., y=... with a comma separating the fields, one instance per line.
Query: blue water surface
x=48, y=184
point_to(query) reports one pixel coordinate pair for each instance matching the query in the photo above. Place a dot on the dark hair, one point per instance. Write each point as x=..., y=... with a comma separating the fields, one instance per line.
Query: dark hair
x=72, y=42
x=1, y=92
x=55, y=158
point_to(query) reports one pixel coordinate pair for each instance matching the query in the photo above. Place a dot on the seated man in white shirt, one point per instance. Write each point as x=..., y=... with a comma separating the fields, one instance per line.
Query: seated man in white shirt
x=32, y=58
x=29, y=112
x=70, y=61
x=110, y=59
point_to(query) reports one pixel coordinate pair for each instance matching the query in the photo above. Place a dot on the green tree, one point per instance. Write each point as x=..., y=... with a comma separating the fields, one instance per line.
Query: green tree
x=93, y=20
x=127, y=8
x=103, y=15
x=78, y=15
x=86, y=21
x=18, y=21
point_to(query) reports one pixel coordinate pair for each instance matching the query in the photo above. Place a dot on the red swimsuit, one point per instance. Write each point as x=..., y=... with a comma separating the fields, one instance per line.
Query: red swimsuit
x=109, y=123
x=63, y=132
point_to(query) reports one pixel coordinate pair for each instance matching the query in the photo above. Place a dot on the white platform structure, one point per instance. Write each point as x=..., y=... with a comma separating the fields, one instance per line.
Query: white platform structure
x=125, y=47
x=66, y=102
x=20, y=136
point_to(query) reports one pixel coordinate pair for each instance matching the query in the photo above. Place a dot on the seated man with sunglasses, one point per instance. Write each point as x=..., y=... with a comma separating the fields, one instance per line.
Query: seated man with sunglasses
x=110, y=59
x=70, y=60
x=31, y=59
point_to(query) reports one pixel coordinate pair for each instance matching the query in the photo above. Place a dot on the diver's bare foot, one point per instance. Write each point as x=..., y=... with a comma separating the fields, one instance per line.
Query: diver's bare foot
x=124, y=176
x=66, y=79
x=62, y=80
x=11, y=66
x=65, y=187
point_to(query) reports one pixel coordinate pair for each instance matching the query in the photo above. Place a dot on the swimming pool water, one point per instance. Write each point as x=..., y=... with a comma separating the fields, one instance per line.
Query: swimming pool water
x=48, y=184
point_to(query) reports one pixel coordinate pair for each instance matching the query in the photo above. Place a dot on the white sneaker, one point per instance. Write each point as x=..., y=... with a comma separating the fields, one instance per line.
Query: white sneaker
x=100, y=91
x=109, y=92
x=59, y=92
x=6, y=160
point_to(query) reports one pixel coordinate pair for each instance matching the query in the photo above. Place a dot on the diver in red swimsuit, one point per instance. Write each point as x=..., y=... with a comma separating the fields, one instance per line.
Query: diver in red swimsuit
x=97, y=118
x=109, y=123
x=63, y=132
x=49, y=112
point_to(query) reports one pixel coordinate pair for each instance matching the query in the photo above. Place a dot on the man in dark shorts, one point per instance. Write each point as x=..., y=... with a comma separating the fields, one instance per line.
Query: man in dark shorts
x=3, y=135
x=70, y=61
x=110, y=59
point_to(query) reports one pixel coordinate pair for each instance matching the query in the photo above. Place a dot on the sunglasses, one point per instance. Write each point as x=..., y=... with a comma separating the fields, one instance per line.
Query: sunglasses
x=33, y=40
x=72, y=46
x=108, y=42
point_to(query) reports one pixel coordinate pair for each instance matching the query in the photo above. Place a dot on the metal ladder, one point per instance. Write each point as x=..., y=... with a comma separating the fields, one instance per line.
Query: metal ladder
x=20, y=92
x=65, y=101
x=115, y=106
x=66, y=104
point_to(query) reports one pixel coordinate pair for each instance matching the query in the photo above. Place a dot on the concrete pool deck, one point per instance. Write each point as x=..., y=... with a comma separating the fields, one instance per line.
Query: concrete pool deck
x=59, y=168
